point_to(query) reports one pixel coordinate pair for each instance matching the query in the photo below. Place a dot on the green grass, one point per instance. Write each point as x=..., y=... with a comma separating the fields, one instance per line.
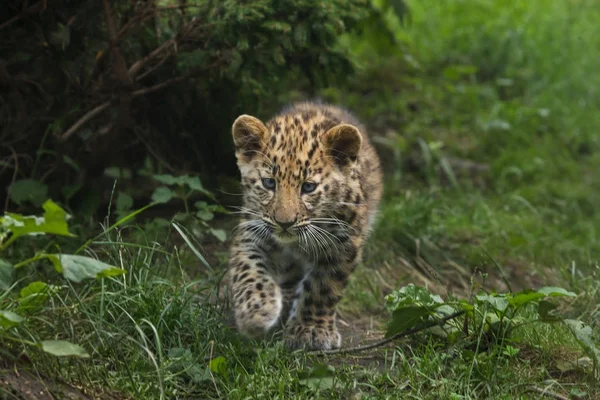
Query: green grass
x=510, y=85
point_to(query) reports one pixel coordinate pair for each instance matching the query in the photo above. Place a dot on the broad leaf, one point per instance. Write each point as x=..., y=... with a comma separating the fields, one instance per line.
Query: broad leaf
x=320, y=376
x=498, y=302
x=29, y=190
x=63, y=348
x=54, y=221
x=525, y=297
x=6, y=274
x=405, y=318
x=544, y=309
x=556, y=292
x=584, y=335
x=205, y=215
x=8, y=319
x=218, y=365
x=193, y=182
x=35, y=294
x=124, y=202
x=183, y=361
x=162, y=195
x=77, y=268
x=219, y=234
x=412, y=295
x=166, y=179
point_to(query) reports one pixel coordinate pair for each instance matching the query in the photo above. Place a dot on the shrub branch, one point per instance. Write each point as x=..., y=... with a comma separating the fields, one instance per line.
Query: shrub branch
x=382, y=342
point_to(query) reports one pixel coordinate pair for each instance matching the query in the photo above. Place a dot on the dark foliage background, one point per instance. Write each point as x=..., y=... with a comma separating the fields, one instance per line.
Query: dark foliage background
x=89, y=84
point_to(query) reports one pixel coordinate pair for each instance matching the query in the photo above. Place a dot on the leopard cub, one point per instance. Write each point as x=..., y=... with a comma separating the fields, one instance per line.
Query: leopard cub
x=311, y=183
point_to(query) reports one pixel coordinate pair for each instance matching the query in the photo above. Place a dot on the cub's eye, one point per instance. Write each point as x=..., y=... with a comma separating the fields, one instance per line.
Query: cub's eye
x=268, y=183
x=308, y=187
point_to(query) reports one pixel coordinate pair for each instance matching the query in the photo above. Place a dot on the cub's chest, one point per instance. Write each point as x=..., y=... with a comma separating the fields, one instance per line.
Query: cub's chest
x=288, y=265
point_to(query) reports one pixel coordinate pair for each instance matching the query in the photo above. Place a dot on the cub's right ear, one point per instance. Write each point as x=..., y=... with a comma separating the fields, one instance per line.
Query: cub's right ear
x=249, y=134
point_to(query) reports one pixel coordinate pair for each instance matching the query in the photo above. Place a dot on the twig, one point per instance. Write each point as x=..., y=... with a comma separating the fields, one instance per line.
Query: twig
x=546, y=393
x=37, y=7
x=154, y=68
x=382, y=342
x=163, y=84
x=99, y=109
x=14, y=177
x=83, y=120
x=183, y=32
x=139, y=64
x=119, y=59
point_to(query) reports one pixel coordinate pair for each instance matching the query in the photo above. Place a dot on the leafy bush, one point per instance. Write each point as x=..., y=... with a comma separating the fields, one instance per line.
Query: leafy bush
x=32, y=297
x=491, y=318
x=104, y=83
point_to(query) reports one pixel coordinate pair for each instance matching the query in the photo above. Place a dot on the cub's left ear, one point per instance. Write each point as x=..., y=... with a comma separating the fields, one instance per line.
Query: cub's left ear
x=249, y=134
x=342, y=143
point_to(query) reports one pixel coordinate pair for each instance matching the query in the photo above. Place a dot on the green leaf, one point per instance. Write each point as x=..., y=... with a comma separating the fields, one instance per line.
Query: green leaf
x=320, y=376
x=584, y=335
x=6, y=274
x=8, y=319
x=29, y=190
x=456, y=72
x=544, y=309
x=35, y=294
x=124, y=202
x=500, y=303
x=218, y=366
x=551, y=291
x=69, y=191
x=205, y=215
x=77, y=268
x=54, y=221
x=162, y=195
x=166, y=179
x=113, y=172
x=183, y=361
x=219, y=234
x=525, y=297
x=193, y=182
x=277, y=26
x=63, y=348
x=405, y=318
x=400, y=9
x=412, y=295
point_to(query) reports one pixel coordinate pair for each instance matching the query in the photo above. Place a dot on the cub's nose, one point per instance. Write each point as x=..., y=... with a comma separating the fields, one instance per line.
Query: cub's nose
x=286, y=224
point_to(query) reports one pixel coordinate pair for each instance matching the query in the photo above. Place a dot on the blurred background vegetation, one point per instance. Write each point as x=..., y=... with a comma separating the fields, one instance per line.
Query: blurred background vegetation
x=484, y=112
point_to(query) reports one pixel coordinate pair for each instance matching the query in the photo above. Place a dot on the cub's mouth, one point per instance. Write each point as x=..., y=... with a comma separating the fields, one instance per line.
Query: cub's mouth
x=285, y=237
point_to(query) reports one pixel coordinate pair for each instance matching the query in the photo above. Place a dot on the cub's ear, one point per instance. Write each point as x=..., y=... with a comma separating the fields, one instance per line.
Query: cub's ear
x=249, y=134
x=342, y=143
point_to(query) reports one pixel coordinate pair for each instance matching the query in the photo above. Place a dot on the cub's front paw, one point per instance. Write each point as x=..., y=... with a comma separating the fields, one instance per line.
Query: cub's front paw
x=313, y=337
x=256, y=315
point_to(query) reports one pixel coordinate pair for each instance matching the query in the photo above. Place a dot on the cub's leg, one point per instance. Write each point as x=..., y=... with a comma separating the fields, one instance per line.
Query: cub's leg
x=313, y=323
x=257, y=299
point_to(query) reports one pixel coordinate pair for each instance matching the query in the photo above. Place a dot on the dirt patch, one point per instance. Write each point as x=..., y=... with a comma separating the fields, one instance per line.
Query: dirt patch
x=19, y=381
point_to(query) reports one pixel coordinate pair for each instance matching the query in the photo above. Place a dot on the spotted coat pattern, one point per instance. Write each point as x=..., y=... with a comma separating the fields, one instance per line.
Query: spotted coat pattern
x=311, y=188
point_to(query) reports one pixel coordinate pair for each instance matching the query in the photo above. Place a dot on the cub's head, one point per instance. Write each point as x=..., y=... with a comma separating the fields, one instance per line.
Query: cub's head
x=297, y=171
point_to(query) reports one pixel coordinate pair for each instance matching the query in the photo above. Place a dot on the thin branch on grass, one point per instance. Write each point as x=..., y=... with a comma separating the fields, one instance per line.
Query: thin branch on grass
x=408, y=332
x=546, y=393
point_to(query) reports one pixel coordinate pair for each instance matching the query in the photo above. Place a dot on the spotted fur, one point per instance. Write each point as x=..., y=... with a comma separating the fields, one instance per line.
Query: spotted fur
x=311, y=188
